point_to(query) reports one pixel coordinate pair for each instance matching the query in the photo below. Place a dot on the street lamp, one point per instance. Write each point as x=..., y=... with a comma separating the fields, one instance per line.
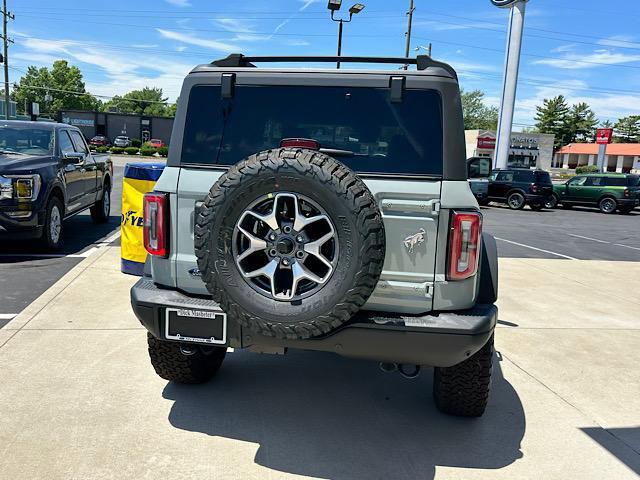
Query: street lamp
x=334, y=6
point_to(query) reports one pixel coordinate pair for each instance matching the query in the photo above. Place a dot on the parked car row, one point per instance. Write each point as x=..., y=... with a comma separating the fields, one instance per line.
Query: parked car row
x=122, y=141
x=518, y=187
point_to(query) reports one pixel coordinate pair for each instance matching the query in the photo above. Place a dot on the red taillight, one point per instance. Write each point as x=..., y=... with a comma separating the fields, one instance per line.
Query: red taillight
x=156, y=224
x=534, y=188
x=464, y=245
x=300, y=143
x=627, y=192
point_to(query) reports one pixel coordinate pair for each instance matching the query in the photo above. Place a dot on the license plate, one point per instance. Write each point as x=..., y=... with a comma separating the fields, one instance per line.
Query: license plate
x=199, y=326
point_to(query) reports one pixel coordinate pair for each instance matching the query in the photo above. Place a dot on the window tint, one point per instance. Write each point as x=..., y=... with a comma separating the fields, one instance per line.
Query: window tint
x=577, y=181
x=543, y=177
x=523, y=176
x=634, y=181
x=403, y=137
x=593, y=181
x=65, y=142
x=505, y=177
x=479, y=167
x=616, y=181
x=78, y=141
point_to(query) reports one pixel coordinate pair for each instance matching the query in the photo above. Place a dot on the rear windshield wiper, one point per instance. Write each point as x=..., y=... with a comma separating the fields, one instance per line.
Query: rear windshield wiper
x=336, y=152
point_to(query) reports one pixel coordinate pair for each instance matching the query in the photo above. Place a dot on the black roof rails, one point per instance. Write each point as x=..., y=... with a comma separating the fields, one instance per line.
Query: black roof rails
x=422, y=62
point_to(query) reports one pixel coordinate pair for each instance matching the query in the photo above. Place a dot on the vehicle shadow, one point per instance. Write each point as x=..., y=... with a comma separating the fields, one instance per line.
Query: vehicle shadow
x=80, y=234
x=325, y=416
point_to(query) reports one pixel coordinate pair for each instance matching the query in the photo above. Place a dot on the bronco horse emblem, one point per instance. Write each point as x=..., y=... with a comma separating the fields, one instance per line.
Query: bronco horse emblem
x=413, y=240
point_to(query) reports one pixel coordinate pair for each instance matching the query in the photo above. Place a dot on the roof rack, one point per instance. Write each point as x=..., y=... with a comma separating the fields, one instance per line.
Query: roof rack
x=422, y=62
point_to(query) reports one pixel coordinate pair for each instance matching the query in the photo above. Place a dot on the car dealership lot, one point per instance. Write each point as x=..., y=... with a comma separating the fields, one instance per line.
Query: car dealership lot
x=81, y=400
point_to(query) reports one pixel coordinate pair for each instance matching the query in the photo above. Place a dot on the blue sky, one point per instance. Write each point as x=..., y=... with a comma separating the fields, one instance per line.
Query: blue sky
x=584, y=49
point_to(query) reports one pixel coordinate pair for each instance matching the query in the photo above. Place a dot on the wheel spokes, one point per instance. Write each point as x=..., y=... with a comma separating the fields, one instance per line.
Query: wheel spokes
x=255, y=244
x=313, y=248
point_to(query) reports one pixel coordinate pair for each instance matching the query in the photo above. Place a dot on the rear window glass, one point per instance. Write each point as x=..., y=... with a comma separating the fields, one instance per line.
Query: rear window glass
x=523, y=176
x=385, y=137
x=543, y=177
x=634, y=181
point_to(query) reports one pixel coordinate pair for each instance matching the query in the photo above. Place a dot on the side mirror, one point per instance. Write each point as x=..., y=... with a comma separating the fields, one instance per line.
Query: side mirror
x=76, y=157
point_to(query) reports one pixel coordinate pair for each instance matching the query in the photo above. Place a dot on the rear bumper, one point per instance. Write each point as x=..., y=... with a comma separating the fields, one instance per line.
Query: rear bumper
x=443, y=339
x=628, y=202
x=536, y=197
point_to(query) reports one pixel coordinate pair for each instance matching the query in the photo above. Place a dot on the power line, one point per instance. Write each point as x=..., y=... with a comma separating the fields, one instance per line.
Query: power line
x=6, y=16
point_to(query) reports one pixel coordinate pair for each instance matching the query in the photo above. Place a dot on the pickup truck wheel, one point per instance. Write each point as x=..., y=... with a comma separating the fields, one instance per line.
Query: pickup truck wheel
x=290, y=243
x=170, y=363
x=53, y=232
x=101, y=210
x=516, y=201
x=607, y=205
x=463, y=389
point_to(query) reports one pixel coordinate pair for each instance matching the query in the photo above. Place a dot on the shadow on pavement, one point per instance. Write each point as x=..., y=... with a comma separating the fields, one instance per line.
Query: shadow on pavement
x=616, y=441
x=80, y=233
x=325, y=416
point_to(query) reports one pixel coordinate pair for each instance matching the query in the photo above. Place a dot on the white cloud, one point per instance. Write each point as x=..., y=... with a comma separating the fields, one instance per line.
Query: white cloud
x=234, y=25
x=293, y=42
x=201, y=42
x=598, y=58
x=620, y=41
x=564, y=48
x=179, y=3
x=306, y=4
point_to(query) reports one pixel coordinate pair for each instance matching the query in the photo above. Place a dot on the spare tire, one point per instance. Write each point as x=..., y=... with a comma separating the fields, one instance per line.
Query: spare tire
x=290, y=243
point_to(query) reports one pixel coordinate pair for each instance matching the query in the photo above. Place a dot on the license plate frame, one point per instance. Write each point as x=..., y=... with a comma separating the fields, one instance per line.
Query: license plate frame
x=211, y=326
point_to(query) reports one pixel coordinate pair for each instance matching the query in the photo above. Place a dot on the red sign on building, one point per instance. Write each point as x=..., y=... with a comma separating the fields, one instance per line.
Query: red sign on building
x=487, y=143
x=604, y=135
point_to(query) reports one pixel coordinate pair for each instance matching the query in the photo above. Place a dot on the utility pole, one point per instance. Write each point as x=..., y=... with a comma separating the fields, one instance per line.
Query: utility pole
x=6, y=40
x=408, y=34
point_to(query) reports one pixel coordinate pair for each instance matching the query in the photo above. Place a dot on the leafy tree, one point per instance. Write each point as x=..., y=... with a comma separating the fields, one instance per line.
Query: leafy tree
x=148, y=101
x=581, y=123
x=606, y=124
x=63, y=82
x=477, y=115
x=552, y=117
x=627, y=129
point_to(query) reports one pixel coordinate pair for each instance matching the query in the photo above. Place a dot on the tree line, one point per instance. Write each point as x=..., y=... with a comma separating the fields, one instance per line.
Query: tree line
x=578, y=123
x=62, y=87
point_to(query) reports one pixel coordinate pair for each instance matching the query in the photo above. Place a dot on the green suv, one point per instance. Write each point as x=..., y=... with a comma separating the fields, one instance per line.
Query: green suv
x=607, y=191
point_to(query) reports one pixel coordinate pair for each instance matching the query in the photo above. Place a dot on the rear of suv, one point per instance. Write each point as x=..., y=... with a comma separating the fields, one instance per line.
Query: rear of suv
x=518, y=187
x=325, y=210
x=609, y=192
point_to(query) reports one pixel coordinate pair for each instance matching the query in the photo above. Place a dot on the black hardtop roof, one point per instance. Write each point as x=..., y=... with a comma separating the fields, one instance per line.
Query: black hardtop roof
x=422, y=62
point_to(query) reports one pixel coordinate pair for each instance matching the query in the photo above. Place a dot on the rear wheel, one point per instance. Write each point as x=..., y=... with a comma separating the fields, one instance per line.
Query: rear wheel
x=625, y=210
x=463, y=389
x=536, y=206
x=516, y=201
x=101, y=210
x=607, y=205
x=551, y=202
x=184, y=363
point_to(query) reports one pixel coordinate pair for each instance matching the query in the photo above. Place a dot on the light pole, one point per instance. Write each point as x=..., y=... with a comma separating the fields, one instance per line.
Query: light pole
x=510, y=82
x=334, y=6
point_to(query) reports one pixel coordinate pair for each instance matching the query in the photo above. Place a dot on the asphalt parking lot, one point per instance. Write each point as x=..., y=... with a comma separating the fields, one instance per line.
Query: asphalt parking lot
x=26, y=270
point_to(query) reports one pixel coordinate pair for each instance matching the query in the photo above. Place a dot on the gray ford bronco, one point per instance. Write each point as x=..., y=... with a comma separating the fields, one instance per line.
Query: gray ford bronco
x=324, y=210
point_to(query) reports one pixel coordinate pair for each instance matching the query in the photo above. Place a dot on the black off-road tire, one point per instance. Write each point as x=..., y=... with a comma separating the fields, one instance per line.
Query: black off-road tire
x=607, y=205
x=516, y=201
x=171, y=364
x=101, y=210
x=536, y=206
x=625, y=210
x=359, y=232
x=552, y=201
x=463, y=389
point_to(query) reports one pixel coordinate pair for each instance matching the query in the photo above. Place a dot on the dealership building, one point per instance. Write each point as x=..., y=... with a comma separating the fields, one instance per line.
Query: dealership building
x=112, y=125
x=533, y=150
x=619, y=157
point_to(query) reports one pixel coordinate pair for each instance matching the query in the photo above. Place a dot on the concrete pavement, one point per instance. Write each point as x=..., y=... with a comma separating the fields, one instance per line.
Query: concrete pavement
x=80, y=399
